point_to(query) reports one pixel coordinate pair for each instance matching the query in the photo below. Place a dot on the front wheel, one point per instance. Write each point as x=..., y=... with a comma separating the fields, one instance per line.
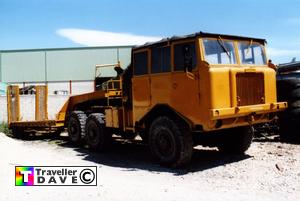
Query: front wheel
x=236, y=140
x=170, y=142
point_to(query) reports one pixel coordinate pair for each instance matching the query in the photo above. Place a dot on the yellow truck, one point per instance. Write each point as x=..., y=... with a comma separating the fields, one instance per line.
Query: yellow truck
x=177, y=93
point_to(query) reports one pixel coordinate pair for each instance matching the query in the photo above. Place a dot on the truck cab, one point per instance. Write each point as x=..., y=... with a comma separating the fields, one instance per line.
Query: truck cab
x=211, y=81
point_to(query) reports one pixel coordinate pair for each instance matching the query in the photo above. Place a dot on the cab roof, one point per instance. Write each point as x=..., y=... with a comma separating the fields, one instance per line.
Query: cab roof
x=194, y=35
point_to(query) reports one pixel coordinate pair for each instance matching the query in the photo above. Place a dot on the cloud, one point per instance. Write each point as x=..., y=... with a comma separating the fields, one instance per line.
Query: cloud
x=103, y=38
x=275, y=52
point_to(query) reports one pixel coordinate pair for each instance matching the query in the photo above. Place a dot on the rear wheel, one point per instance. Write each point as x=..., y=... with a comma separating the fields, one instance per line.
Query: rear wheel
x=97, y=135
x=170, y=142
x=19, y=133
x=236, y=140
x=76, y=126
x=289, y=128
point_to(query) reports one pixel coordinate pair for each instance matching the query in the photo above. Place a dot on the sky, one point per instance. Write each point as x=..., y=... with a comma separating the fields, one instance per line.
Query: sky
x=31, y=24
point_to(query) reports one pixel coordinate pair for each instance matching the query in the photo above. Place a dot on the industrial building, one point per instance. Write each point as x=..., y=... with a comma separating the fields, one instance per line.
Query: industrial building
x=65, y=70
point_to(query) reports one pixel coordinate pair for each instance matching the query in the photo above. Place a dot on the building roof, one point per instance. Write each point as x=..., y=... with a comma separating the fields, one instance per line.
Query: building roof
x=65, y=48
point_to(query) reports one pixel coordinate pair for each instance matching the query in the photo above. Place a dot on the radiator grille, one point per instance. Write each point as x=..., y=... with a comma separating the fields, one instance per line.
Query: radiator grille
x=250, y=89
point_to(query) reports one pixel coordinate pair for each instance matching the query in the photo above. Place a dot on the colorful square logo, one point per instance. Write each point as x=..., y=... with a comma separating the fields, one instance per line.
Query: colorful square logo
x=24, y=175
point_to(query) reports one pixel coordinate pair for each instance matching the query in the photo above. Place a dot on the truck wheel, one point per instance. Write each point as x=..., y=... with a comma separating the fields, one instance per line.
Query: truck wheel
x=97, y=135
x=19, y=133
x=56, y=133
x=289, y=127
x=294, y=113
x=170, y=142
x=292, y=83
x=294, y=103
x=76, y=126
x=288, y=89
x=295, y=93
x=236, y=140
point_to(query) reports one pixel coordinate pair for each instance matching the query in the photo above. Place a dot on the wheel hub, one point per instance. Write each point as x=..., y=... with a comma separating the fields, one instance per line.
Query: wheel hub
x=165, y=143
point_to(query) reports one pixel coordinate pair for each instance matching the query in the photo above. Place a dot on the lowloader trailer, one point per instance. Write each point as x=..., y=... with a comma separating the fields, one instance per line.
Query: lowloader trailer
x=179, y=92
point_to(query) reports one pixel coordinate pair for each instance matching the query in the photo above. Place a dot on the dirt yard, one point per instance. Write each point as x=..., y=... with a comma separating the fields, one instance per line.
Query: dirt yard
x=270, y=170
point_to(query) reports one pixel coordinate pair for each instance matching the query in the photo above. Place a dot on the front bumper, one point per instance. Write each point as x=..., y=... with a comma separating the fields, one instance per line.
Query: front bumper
x=224, y=113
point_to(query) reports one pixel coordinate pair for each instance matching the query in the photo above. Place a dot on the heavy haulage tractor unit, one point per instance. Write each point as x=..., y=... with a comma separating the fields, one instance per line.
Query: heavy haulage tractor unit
x=177, y=93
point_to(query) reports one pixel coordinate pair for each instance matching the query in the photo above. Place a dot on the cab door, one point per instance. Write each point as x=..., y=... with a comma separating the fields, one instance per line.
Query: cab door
x=160, y=74
x=141, y=90
x=185, y=78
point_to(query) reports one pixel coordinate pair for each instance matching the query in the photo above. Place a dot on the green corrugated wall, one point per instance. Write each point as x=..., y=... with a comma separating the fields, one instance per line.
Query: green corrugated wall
x=59, y=64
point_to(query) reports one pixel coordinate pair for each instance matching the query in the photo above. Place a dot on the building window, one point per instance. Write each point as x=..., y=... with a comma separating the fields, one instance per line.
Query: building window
x=160, y=59
x=185, y=56
x=140, y=63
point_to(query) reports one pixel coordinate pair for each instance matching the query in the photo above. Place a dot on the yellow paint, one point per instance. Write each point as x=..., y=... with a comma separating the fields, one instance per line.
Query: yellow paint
x=13, y=104
x=112, y=118
x=41, y=108
x=206, y=94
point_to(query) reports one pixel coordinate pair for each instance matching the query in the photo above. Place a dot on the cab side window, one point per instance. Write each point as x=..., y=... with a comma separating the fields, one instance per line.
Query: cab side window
x=185, y=56
x=140, y=62
x=160, y=59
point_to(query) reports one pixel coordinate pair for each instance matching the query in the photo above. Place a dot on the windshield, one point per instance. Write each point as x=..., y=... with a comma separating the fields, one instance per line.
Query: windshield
x=218, y=51
x=251, y=53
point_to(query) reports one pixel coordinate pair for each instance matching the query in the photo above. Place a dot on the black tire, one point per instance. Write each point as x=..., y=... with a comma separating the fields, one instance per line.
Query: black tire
x=76, y=126
x=236, y=140
x=97, y=135
x=19, y=133
x=286, y=87
x=294, y=103
x=292, y=82
x=289, y=129
x=56, y=134
x=294, y=113
x=170, y=142
x=295, y=93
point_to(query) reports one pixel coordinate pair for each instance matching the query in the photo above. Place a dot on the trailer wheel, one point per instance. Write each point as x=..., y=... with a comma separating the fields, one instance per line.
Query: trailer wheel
x=170, y=142
x=76, y=126
x=97, y=135
x=19, y=133
x=236, y=140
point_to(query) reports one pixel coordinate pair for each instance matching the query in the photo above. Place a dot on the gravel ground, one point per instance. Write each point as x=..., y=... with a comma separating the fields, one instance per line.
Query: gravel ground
x=270, y=170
